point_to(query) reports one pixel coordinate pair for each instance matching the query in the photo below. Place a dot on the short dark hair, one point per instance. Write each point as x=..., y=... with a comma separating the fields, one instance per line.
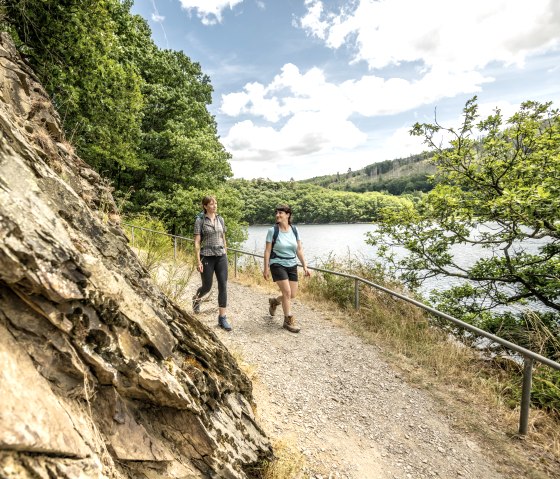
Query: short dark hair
x=286, y=209
x=206, y=200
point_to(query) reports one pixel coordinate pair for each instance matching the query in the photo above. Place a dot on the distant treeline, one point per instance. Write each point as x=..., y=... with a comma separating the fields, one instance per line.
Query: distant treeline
x=310, y=203
x=397, y=177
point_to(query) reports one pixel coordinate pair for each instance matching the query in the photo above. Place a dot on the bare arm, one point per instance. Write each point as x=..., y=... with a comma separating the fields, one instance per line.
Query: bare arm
x=267, y=251
x=301, y=257
x=199, y=266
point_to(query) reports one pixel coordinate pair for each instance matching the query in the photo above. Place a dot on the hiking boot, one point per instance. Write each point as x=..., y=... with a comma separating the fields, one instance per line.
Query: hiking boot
x=273, y=303
x=196, y=305
x=290, y=324
x=223, y=323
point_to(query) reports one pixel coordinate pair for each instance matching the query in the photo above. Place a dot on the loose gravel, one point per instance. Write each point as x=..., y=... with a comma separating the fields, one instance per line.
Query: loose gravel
x=350, y=414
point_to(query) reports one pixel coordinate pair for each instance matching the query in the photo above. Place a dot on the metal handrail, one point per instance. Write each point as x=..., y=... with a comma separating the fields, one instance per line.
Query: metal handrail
x=528, y=356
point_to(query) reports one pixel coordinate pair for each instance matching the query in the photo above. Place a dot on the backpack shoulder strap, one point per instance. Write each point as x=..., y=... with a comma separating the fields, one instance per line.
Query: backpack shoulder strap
x=275, y=235
x=200, y=216
x=296, y=234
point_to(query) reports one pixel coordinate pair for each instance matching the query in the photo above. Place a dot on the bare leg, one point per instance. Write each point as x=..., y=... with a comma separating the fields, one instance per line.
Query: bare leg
x=289, y=291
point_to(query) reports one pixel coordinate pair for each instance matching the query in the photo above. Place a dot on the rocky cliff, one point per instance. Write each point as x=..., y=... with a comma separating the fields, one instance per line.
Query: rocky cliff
x=101, y=376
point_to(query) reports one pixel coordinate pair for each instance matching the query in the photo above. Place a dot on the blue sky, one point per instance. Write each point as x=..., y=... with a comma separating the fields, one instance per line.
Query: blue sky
x=304, y=88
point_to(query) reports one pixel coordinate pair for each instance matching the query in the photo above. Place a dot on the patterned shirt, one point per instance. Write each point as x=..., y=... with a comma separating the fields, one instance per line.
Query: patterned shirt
x=212, y=237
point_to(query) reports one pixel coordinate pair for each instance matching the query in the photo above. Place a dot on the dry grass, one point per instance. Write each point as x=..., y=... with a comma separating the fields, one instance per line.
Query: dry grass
x=288, y=462
x=249, y=370
x=476, y=394
x=173, y=279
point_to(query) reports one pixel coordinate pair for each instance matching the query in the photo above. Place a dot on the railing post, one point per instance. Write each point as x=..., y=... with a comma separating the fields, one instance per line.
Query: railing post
x=526, y=395
x=174, y=248
x=356, y=293
x=235, y=264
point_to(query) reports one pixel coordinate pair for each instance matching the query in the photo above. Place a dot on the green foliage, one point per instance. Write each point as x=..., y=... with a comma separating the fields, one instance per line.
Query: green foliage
x=500, y=192
x=137, y=114
x=74, y=47
x=310, y=203
x=178, y=209
x=179, y=147
x=545, y=392
x=337, y=289
x=152, y=246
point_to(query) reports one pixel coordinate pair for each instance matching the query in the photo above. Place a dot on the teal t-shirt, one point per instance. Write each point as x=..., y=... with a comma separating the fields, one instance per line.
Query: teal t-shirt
x=286, y=246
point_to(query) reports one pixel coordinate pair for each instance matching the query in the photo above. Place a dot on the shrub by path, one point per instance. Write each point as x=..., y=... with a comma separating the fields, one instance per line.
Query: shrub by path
x=333, y=395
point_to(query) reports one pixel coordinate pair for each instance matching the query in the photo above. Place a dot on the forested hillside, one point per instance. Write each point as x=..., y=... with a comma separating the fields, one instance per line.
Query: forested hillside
x=397, y=177
x=310, y=203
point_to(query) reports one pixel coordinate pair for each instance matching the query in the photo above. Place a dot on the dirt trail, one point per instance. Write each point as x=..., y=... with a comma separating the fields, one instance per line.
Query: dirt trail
x=333, y=395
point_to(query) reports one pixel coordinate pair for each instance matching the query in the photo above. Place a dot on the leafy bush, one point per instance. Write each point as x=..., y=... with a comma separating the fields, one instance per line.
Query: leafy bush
x=147, y=238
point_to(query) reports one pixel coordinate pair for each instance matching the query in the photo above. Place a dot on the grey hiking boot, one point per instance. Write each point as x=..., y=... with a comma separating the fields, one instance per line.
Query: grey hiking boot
x=223, y=323
x=196, y=305
x=290, y=324
x=273, y=303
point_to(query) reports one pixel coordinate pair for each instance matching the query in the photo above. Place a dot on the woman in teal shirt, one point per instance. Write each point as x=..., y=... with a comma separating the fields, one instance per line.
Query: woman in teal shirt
x=283, y=249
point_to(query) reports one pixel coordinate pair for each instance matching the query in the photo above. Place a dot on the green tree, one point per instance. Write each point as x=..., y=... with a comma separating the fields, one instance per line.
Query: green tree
x=310, y=203
x=75, y=49
x=178, y=209
x=137, y=114
x=180, y=147
x=501, y=193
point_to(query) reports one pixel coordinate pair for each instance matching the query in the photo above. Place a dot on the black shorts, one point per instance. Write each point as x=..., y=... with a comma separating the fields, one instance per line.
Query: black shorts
x=280, y=272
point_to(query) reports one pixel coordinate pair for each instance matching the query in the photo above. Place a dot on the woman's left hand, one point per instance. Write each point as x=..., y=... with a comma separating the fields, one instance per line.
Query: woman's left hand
x=306, y=271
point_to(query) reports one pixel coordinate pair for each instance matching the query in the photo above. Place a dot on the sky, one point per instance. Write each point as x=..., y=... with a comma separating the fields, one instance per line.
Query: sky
x=305, y=88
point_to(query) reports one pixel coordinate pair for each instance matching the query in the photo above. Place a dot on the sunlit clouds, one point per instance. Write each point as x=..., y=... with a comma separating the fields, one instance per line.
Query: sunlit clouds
x=209, y=11
x=448, y=35
x=309, y=87
x=301, y=113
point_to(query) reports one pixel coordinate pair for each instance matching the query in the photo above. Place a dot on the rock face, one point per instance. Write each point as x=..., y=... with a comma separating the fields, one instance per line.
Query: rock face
x=101, y=376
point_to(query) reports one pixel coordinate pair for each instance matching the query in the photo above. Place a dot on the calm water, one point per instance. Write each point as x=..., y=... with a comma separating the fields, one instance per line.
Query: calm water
x=343, y=240
x=320, y=240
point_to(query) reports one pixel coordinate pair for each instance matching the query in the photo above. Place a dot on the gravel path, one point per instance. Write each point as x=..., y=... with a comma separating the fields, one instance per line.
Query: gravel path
x=348, y=411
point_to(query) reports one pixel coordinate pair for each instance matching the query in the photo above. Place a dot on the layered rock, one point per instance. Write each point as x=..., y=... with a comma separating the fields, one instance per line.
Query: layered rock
x=101, y=375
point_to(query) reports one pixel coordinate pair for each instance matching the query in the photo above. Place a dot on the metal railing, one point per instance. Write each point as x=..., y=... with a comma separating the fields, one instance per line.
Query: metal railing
x=529, y=357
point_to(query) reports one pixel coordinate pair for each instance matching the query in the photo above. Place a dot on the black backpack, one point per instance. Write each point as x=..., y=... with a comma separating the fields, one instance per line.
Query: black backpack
x=275, y=237
x=202, y=215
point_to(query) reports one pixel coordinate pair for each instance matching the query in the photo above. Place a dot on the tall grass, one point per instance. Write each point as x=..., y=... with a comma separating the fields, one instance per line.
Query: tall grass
x=170, y=264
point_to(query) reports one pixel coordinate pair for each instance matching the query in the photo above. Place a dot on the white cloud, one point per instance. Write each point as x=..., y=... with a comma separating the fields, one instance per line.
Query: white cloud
x=306, y=114
x=400, y=144
x=303, y=134
x=456, y=36
x=157, y=18
x=209, y=11
x=303, y=115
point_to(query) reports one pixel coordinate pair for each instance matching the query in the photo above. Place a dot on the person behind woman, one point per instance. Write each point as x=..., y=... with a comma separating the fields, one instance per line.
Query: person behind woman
x=211, y=255
x=280, y=261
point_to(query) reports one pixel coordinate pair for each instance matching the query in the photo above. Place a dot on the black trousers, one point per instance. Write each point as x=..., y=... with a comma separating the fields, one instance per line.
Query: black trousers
x=219, y=266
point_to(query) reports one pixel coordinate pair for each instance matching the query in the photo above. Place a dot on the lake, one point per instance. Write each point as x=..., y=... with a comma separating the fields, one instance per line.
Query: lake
x=344, y=240
x=320, y=240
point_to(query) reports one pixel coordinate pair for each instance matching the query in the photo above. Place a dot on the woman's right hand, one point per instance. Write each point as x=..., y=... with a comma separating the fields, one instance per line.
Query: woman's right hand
x=265, y=273
x=200, y=267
